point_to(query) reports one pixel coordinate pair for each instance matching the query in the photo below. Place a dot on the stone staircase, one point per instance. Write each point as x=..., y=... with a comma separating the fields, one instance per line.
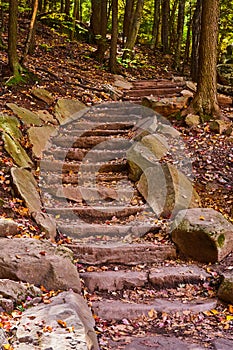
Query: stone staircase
x=126, y=260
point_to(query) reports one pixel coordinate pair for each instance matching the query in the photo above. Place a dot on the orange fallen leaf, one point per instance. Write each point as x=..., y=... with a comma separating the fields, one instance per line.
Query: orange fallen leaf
x=230, y=309
x=62, y=323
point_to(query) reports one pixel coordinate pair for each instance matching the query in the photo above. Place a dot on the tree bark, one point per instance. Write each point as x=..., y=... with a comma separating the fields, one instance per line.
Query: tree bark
x=205, y=100
x=165, y=25
x=133, y=32
x=196, y=33
x=29, y=46
x=102, y=27
x=13, y=59
x=155, y=29
x=180, y=29
x=114, y=37
x=128, y=15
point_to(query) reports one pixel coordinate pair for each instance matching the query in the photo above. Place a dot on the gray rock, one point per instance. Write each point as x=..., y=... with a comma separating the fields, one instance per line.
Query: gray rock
x=165, y=106
x=144, y=127
x=8, y=227
x=113, y=280
x=47, y=223
x=171, y=276
x=157, y=144
x=225, y=291
x=67, y=307
x=139, y=159
x=160, y=343
x=122, y=83
x=192, y=120
x=10, y=125
x=221, y=127
x=225, y=74
x=44, y=115
x=118, y=309
x=18, y=291
x=191, y=86
x=67, y=110
x=6, y=305
x=3, y=339
x=223, y=344
x=16, y=151
x=167, y=190
x=27, y=117
x=167, y=130
x=39, y=137
x=27, y=188
x=43, y=95
x=203, y=234
x=39, y=263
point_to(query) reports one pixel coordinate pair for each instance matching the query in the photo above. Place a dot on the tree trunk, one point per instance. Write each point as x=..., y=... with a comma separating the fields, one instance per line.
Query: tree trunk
x=13, y=59
x=196, y=33
x=113, y=49
x=67, y=8
x=133, y=32
x=165, y=25
x=30, y=43
x=172, y=21
x=205, y=100
x=75, y=16
x=128, y=15
x=155, y=29
x=101, y=40
x=180, y=29
x=187, y=44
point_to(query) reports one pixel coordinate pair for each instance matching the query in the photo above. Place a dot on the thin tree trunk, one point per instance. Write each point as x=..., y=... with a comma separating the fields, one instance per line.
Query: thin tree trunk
x=75, y=15
x=12, y=38
x=155, y=29
x=113, y=48
x=187, y=44
x=205, y=100
x=31, y=32
x=180, y=29
x=132, y=37
x=128, y=15
x=101, y=41
x=196, y=33
x=165, y=25
x=172, y=31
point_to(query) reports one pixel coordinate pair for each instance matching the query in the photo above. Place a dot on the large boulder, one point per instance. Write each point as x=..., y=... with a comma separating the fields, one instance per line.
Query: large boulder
x=16, y=151
x=65, y=323
x=225, y=291
x=167, y=190
x=67, y=110
x=28, y=117
x=8, y=227
x=202, y=234
x=38, y=262
x=157, y=144
x=139, y=159
x=39, y=137
x=166, y=106
x=10, y=125
x=225, y=74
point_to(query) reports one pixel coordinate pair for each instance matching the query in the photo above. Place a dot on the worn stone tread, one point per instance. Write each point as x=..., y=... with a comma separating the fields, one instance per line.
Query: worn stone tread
x=117, y=310
x=122, y=253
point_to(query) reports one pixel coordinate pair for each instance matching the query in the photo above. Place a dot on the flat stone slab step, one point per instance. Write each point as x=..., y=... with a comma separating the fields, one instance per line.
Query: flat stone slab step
x=93, y=132
x=55, y=178
x=117, y=165
x=121, y=253
x=95, y=211
x=109, y=309
x=101, y=142
x=86, y=125
x=161, y=277
x=120, y=231
x=79, y=154
x=91, y=194
x=156, y=342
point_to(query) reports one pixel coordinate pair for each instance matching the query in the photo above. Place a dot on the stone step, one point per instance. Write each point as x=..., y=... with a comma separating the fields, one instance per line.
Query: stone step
x=101, y=142
x=98, y=193
x=76, y=166
x=156, y=84
x=88, y=126
x=93, y=132
x=55, y=178
x=77, y=229
x=111, y=116
x=100, y=212
x=160, y=278
x=122, y=253
x=110, y=309
x=158, y=91
x=80, y=153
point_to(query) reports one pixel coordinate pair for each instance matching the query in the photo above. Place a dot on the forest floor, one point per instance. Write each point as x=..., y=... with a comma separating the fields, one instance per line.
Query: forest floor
x=67, y=69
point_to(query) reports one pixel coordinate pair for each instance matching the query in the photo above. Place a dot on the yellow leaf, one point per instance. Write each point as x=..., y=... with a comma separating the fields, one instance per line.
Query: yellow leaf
x=62, y=323
x=152, y=313
x=231, y=309
x=229, y=318
x=201, y=218
x=7, y=347
x=214, y=312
